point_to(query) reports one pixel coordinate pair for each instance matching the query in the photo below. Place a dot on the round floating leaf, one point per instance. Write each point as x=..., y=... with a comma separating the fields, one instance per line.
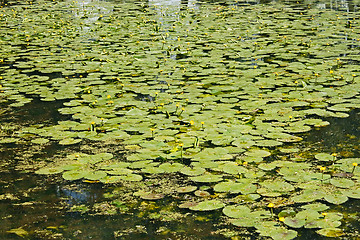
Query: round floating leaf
x=40, y=140
x=283, y=234
x=152, y=170
x=258, y=153
x=334, y=216
x=330, y=232
x=336, y=198
x=230, y=186
x=309, y=195
x=119, y=171
x=233, y=168
x=267, y=166
x=322, y=223
x=69, y=141
x=283, y=137
x=237, y=211
x=135, y=112
x=202, y=193
x=308, y=215
x=208, y=205
x=49, y=170
x=95, y=175
x=74, y=166
x=131, y=177
x=142, y=164
x=316, y=207
x=186, y=189
x=171, y=167
x=278, y=185
x=207, y=178
x=152, y=196
x=111, y=179
x=192, y=171
x=188, y=204
x=352, y=193
x=342, y=182
x=294, y=222
x=74, y=175
x=324, y=157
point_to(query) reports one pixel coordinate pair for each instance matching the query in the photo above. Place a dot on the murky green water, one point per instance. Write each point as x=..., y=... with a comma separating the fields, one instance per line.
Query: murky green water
x=179, y=120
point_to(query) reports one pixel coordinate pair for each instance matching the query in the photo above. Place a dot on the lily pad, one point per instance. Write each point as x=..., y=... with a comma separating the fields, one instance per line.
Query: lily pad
x=330, y=232
x=192, y=171
x=186, y=189
x=207, y=178
x=342, y=182
x=336, y=198
x=74, y=175
x=237, y=211
x=283, y=234
x=152, y=196
x=95, y=175
x=69, y=141
x=208, y=205
x=294, y=222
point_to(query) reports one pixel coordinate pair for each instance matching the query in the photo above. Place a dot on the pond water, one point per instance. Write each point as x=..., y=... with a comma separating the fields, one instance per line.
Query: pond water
x=179, y=119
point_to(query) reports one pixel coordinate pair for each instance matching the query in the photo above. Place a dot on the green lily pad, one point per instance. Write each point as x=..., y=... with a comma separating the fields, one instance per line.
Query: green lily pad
x=119, y=171
x=352, y=193
x=40, y=140
x=207, y=178
x=236, y=211
x=322, y=223
x=294, y=222
x=342, y=182
x=283, y=234
x=152, y=196
x=208, y=205
x=336, y=198
x=324, y=157
x=186, y=189
x=192, y=171
x=330, y=232
x=131, y=177
x=244, y=222
x=258, y=153
x=202, y=193
x=316, y=207
x=188, y=204
x=171, y=167
x=95, y=175
x=309, y=195
x=69, y=141
x=74, y=175
x=235, y=187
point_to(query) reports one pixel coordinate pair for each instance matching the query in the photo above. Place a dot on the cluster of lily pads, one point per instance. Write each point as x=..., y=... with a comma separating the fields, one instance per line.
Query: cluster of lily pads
x=218, y=95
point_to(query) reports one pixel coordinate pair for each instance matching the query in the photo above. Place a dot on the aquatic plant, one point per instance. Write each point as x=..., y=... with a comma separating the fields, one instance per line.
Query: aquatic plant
x=138, y=84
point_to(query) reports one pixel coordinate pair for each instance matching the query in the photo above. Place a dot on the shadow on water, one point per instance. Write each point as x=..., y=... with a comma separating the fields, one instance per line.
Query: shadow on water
x=35, y=112
x=341, y=136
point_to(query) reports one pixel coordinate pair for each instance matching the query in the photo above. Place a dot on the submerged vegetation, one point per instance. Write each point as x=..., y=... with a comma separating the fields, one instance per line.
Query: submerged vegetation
x=198, y=111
